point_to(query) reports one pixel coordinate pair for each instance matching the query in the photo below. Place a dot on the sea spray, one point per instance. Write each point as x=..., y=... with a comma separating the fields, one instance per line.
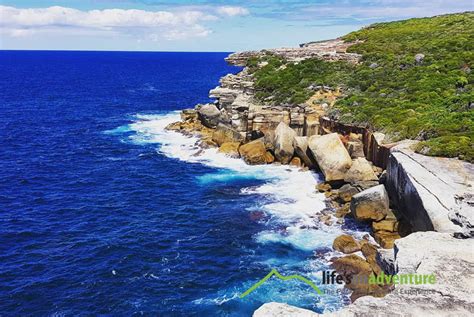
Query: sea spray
x=287, y=197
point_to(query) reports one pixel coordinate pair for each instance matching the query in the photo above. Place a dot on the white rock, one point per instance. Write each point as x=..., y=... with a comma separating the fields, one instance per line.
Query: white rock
x=300, y=143
x=283, y=143
x=360, y=170
x=370, y=204
x=209, y=115
x=425, y=188
x=282, y=310
x=331, y=155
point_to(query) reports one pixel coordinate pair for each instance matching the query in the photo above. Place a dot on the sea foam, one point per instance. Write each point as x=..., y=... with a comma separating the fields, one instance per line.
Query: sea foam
x=288, y=197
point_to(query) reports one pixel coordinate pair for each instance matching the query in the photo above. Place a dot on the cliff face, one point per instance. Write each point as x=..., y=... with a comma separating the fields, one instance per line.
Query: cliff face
x=242, y=112
x=431, y=193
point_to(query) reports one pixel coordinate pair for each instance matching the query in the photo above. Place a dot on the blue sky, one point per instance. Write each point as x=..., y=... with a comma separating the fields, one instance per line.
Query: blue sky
x=201, y=25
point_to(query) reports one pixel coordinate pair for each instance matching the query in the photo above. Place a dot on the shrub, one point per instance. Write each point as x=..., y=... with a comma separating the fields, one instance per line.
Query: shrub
x=405, y=99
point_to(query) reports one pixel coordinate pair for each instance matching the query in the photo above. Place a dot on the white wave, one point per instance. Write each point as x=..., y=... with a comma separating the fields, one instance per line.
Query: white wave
x=288, y=195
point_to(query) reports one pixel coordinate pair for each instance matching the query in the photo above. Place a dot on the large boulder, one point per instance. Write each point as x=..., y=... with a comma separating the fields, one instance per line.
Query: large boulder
x=346, y=192
x=370, y=204
x=300, y=144
x=254, y=152
x=230, y=149
x=283, y=143
x=351, y=265
x=331, y=156
x=224, y=133
x=360, y=170
x=390, y=225
x=355, y=268
x=386, y=239
x=346, y=244
x=356, y=149
x=209, y=115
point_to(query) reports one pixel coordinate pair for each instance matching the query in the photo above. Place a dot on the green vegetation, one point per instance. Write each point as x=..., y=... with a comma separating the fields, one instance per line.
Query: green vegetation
x=430, y=100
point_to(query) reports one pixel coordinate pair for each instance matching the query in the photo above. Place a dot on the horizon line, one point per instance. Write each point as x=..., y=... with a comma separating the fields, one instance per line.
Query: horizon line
x=118, y=51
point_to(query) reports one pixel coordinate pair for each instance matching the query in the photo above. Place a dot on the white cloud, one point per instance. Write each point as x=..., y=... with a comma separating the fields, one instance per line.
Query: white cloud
x=152, y=25
x=232, y=11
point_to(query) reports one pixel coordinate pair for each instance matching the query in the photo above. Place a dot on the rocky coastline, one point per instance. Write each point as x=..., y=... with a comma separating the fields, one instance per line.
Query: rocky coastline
x=420, y=208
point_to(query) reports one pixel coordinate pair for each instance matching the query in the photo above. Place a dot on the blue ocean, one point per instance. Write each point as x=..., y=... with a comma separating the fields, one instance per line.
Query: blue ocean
x=104, y=212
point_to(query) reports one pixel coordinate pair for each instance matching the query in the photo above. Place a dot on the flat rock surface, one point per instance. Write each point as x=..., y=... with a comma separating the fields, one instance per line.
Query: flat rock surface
x=428, y=188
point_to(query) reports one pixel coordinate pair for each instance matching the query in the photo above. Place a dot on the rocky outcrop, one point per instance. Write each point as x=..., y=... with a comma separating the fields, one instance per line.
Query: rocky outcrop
x=254, y=152
x=224, y=133
x=429, y=193
x=361, y=170
x=426, y=190
x=331, y=156
x=230, y=149
x=300, y=144
x=346, y=244
x=370, y=204
x=209, y=115
x=283, y=143
x=331, y=50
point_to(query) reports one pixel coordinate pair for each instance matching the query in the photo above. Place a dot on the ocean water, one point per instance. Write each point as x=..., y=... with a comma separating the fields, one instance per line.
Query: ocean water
x=103, y=211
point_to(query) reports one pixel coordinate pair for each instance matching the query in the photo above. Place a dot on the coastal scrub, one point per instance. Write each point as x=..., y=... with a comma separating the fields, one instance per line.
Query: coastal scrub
x=415, y=81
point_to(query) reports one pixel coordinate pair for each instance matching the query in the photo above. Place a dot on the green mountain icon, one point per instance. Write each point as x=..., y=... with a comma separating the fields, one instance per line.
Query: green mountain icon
x=281, y=277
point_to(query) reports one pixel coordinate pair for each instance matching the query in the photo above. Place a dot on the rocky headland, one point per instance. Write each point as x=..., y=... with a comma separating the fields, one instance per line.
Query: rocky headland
x=420, y=208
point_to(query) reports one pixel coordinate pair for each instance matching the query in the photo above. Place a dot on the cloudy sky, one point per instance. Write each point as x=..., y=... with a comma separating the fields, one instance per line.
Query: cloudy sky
x=199, y=25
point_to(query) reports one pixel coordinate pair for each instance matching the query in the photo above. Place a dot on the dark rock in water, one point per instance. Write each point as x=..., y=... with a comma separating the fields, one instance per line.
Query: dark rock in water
x=257, y=215
x=321, y=252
